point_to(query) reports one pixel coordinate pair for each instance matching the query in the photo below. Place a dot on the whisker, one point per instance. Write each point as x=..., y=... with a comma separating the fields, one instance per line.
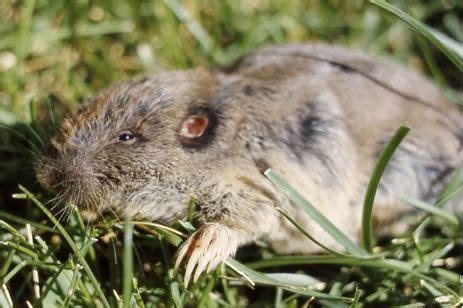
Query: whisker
x=61, y=213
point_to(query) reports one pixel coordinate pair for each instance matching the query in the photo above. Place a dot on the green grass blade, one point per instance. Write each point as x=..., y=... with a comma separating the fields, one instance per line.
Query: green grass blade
x=137, y=295
x=170, y=234
x=433, y=67
x=72, y=286
x=431, y=289
x=21, y=220
x=298, y=280
x=206, y=292
x=422, y=30
x=23, y=39
x=193, y=26
x=452, y=189
x=13, y=272
x=19, y=248
x=71, y=244
x=7, y=263
x=175, y=296
x=87, y=237
x=128, y=261
x=356, y=298
x=307, y=234
x=13, y=231
x=432, y=209
x=448, y=41
x=385, y=264
x=378, y=170
x=263, y=279
x=52, y=284
x=331, y=229
x=438, y=254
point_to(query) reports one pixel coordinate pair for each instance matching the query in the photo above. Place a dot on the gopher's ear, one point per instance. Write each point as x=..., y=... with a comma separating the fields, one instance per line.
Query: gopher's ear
x=193, y=127
x=199, y=127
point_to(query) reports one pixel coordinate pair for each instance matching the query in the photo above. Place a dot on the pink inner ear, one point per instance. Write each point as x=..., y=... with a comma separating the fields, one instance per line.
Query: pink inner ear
x=194, y=126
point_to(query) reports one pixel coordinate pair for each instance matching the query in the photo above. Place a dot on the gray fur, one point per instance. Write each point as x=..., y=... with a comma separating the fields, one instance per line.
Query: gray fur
x=317, y=114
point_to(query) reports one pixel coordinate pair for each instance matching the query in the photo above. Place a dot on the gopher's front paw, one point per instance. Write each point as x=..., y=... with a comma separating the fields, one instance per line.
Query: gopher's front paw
x=211, y=244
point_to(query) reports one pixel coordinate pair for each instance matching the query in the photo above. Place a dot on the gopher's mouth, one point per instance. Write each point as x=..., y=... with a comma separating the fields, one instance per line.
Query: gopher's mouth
x=91, y=204
x=95, y=212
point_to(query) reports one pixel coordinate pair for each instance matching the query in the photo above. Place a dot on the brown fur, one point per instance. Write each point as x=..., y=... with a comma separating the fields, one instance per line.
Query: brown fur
x=319, y=115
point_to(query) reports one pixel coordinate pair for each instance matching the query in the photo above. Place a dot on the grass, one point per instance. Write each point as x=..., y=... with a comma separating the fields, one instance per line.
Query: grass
x=377, y=173
x=53, y=54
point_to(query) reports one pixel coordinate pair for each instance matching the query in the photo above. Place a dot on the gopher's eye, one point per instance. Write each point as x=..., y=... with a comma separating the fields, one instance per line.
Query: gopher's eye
x=126, y=136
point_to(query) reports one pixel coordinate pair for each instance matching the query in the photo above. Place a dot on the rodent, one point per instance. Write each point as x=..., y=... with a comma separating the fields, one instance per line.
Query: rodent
x=319, y=115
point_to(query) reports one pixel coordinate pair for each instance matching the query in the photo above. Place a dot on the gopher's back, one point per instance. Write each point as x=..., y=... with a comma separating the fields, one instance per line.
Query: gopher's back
x=328, y=112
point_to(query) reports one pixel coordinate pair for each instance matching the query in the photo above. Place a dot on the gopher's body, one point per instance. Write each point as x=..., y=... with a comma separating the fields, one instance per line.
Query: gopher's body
x=318, y=115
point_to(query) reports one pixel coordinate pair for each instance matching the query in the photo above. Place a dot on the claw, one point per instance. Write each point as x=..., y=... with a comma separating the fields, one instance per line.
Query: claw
x=206, y=249
x=191, y=264
x=184, y=250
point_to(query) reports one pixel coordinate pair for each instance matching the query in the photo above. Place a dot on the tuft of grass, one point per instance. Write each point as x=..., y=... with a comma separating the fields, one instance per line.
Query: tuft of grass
x=70, y=242
x=53, y=54
x=359, y=257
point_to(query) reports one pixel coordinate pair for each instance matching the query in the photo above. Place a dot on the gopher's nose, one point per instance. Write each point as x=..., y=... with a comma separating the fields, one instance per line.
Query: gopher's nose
x=49, y=175
x=55, y=171
x=49, y=171
x=56, y=175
